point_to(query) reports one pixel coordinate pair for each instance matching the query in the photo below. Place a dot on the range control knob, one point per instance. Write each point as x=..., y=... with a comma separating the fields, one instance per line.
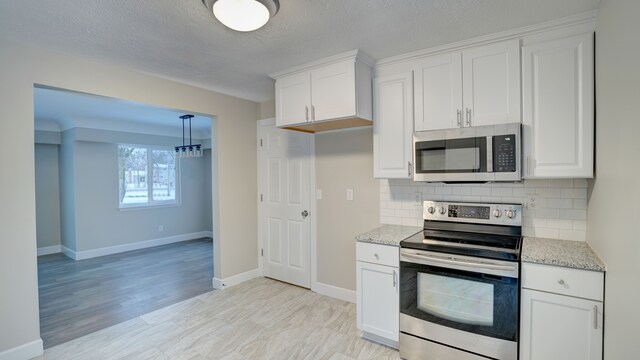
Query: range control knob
x=510, y=213
x=431, y=209
x=497, y=213
x=442, y=210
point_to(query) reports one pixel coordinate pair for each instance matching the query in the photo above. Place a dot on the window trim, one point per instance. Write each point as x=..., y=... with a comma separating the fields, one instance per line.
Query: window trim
x=150, y=202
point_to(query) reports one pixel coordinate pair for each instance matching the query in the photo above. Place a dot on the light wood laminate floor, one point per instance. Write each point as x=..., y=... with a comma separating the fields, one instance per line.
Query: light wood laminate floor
x=258, y=319
x=80, y=297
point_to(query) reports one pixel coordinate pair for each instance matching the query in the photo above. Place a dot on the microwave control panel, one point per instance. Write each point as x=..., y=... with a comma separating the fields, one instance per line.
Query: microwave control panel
x=504, y=153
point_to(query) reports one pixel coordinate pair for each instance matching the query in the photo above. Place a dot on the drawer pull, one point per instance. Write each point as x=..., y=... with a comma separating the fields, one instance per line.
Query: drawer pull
x=376, y=256
x=561, y=282
x=595, y=317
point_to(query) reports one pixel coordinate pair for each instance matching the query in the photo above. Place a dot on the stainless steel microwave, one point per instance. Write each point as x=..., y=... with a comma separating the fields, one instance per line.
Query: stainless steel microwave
x=472, y=154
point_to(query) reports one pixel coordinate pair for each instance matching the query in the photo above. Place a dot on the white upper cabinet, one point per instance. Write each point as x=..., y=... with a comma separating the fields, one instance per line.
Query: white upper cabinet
x=393, y=126
x=293, y=95
x=438, y=92
x=476, y=86
x=329, y=94
x=558, y=107
x=333, y=90
x=491, y=84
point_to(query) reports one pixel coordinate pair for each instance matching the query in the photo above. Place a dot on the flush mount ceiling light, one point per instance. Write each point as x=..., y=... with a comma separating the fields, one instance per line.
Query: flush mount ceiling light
x=243, y=15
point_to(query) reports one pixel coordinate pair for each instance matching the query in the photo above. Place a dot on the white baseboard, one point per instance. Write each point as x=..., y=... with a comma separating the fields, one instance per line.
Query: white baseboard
x=49, y=250
x=88, y=254
x=235, y=280
x=335, y=292
x=25, y=351
x=70, y=253
x=380, y=340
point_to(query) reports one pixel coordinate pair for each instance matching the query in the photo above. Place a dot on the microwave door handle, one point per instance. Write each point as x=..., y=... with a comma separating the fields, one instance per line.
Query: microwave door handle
x=475, y=264
x=489, y=154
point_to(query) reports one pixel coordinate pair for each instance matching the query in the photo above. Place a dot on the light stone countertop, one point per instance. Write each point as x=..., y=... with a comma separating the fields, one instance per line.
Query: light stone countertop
x=388, y=234
x=565, y=253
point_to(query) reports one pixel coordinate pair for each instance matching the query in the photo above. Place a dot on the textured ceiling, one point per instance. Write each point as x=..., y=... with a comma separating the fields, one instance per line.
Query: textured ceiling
x=181, y=40
x=65, y=110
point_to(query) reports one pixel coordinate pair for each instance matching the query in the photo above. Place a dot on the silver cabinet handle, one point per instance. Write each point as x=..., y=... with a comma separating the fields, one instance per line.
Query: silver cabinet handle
x=468, y=117
x=459, y=117
x=460, y=262
x=375, y=255
x=313, y=113
x=395, y=281
x=305, y=214
x=595, y=316
x=306, y=113
x=561, y=282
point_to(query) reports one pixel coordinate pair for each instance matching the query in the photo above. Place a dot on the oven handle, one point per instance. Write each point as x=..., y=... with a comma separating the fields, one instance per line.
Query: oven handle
x=461, y=262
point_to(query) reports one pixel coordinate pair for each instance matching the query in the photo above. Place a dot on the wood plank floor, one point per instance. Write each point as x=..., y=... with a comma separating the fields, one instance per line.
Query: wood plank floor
x=81, y=297
x=258, y=319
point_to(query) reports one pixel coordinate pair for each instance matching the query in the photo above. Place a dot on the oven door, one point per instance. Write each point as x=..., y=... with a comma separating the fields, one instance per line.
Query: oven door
x=464, y=302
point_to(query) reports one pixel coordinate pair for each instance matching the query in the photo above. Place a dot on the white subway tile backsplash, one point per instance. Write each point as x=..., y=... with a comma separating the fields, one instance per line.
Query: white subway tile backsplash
x=500, y=191
x=557, y=207
x=573, y=214
x=560, y=224
x=574, y=193
x=579, y=203
x=560, y=203
x=481, y=191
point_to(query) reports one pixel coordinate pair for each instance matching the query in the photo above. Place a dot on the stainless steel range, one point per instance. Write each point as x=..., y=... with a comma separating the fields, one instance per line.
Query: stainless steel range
x=459, y=283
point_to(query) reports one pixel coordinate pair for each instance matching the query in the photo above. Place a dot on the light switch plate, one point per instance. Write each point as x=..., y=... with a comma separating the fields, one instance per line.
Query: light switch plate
x=350, y=194
x=318, y=194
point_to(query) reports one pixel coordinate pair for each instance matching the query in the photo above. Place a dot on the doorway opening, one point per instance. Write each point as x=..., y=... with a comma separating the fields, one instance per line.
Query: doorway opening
x=123, y=226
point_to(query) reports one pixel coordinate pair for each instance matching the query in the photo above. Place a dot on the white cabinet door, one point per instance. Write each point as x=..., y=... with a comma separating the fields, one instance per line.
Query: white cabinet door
x=558, y=327
x=378, y=300
x=393, y=126
x=438, y=92
x=558, y=108
x=293, y=99
x=491, y=78
x=333, y=91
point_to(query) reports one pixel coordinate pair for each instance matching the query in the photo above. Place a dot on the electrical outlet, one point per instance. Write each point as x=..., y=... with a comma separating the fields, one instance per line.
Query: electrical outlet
x=531, y=202
x=417, y=198
x=160, y=228
x=318, y=194
x=350, y=194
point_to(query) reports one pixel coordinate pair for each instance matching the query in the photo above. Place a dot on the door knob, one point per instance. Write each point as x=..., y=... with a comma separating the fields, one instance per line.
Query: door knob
x=305, y=214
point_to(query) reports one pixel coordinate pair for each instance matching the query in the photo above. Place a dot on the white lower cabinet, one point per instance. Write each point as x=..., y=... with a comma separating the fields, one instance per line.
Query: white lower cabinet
x=378, y=298
x=557, y=326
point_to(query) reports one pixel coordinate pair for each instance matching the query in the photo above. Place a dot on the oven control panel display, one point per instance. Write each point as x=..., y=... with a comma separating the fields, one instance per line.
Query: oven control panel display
x=469, y=212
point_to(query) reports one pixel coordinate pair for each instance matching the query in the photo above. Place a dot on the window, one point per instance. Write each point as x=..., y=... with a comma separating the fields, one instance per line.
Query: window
x=147, y=176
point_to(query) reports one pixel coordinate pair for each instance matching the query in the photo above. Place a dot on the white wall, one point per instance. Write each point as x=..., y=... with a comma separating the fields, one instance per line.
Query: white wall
x=21, y=68
x=47, y=195
x=614, y=200
x=100, y=223
x=344, y=160
x=560, y=210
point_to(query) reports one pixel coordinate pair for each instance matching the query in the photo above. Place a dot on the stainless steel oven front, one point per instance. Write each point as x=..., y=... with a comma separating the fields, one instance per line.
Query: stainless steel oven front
x=457, y=307
x=472, y=154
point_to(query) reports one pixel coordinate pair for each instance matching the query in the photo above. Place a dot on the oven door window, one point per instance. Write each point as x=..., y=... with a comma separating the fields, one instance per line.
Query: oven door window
x=451, y=156
x=478, y=303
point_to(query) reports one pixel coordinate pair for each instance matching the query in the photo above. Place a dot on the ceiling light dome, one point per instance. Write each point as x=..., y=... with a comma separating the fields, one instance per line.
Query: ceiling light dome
x=243, y=15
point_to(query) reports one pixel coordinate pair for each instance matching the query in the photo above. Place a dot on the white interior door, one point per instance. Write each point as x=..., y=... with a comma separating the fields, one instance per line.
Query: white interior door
x=285, y=158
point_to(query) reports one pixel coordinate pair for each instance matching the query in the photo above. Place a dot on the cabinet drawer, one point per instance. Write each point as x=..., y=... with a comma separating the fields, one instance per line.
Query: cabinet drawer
x=565, y=281
x=378, y=254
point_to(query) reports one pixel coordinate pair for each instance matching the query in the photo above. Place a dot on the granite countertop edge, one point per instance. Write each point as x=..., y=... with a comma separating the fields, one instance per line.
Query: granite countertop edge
x=563, y=253
x=390, y=235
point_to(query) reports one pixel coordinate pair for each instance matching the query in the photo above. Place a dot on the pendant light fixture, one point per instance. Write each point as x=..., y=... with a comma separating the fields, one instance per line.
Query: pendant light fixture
x=191, y=150
x=243, y=15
